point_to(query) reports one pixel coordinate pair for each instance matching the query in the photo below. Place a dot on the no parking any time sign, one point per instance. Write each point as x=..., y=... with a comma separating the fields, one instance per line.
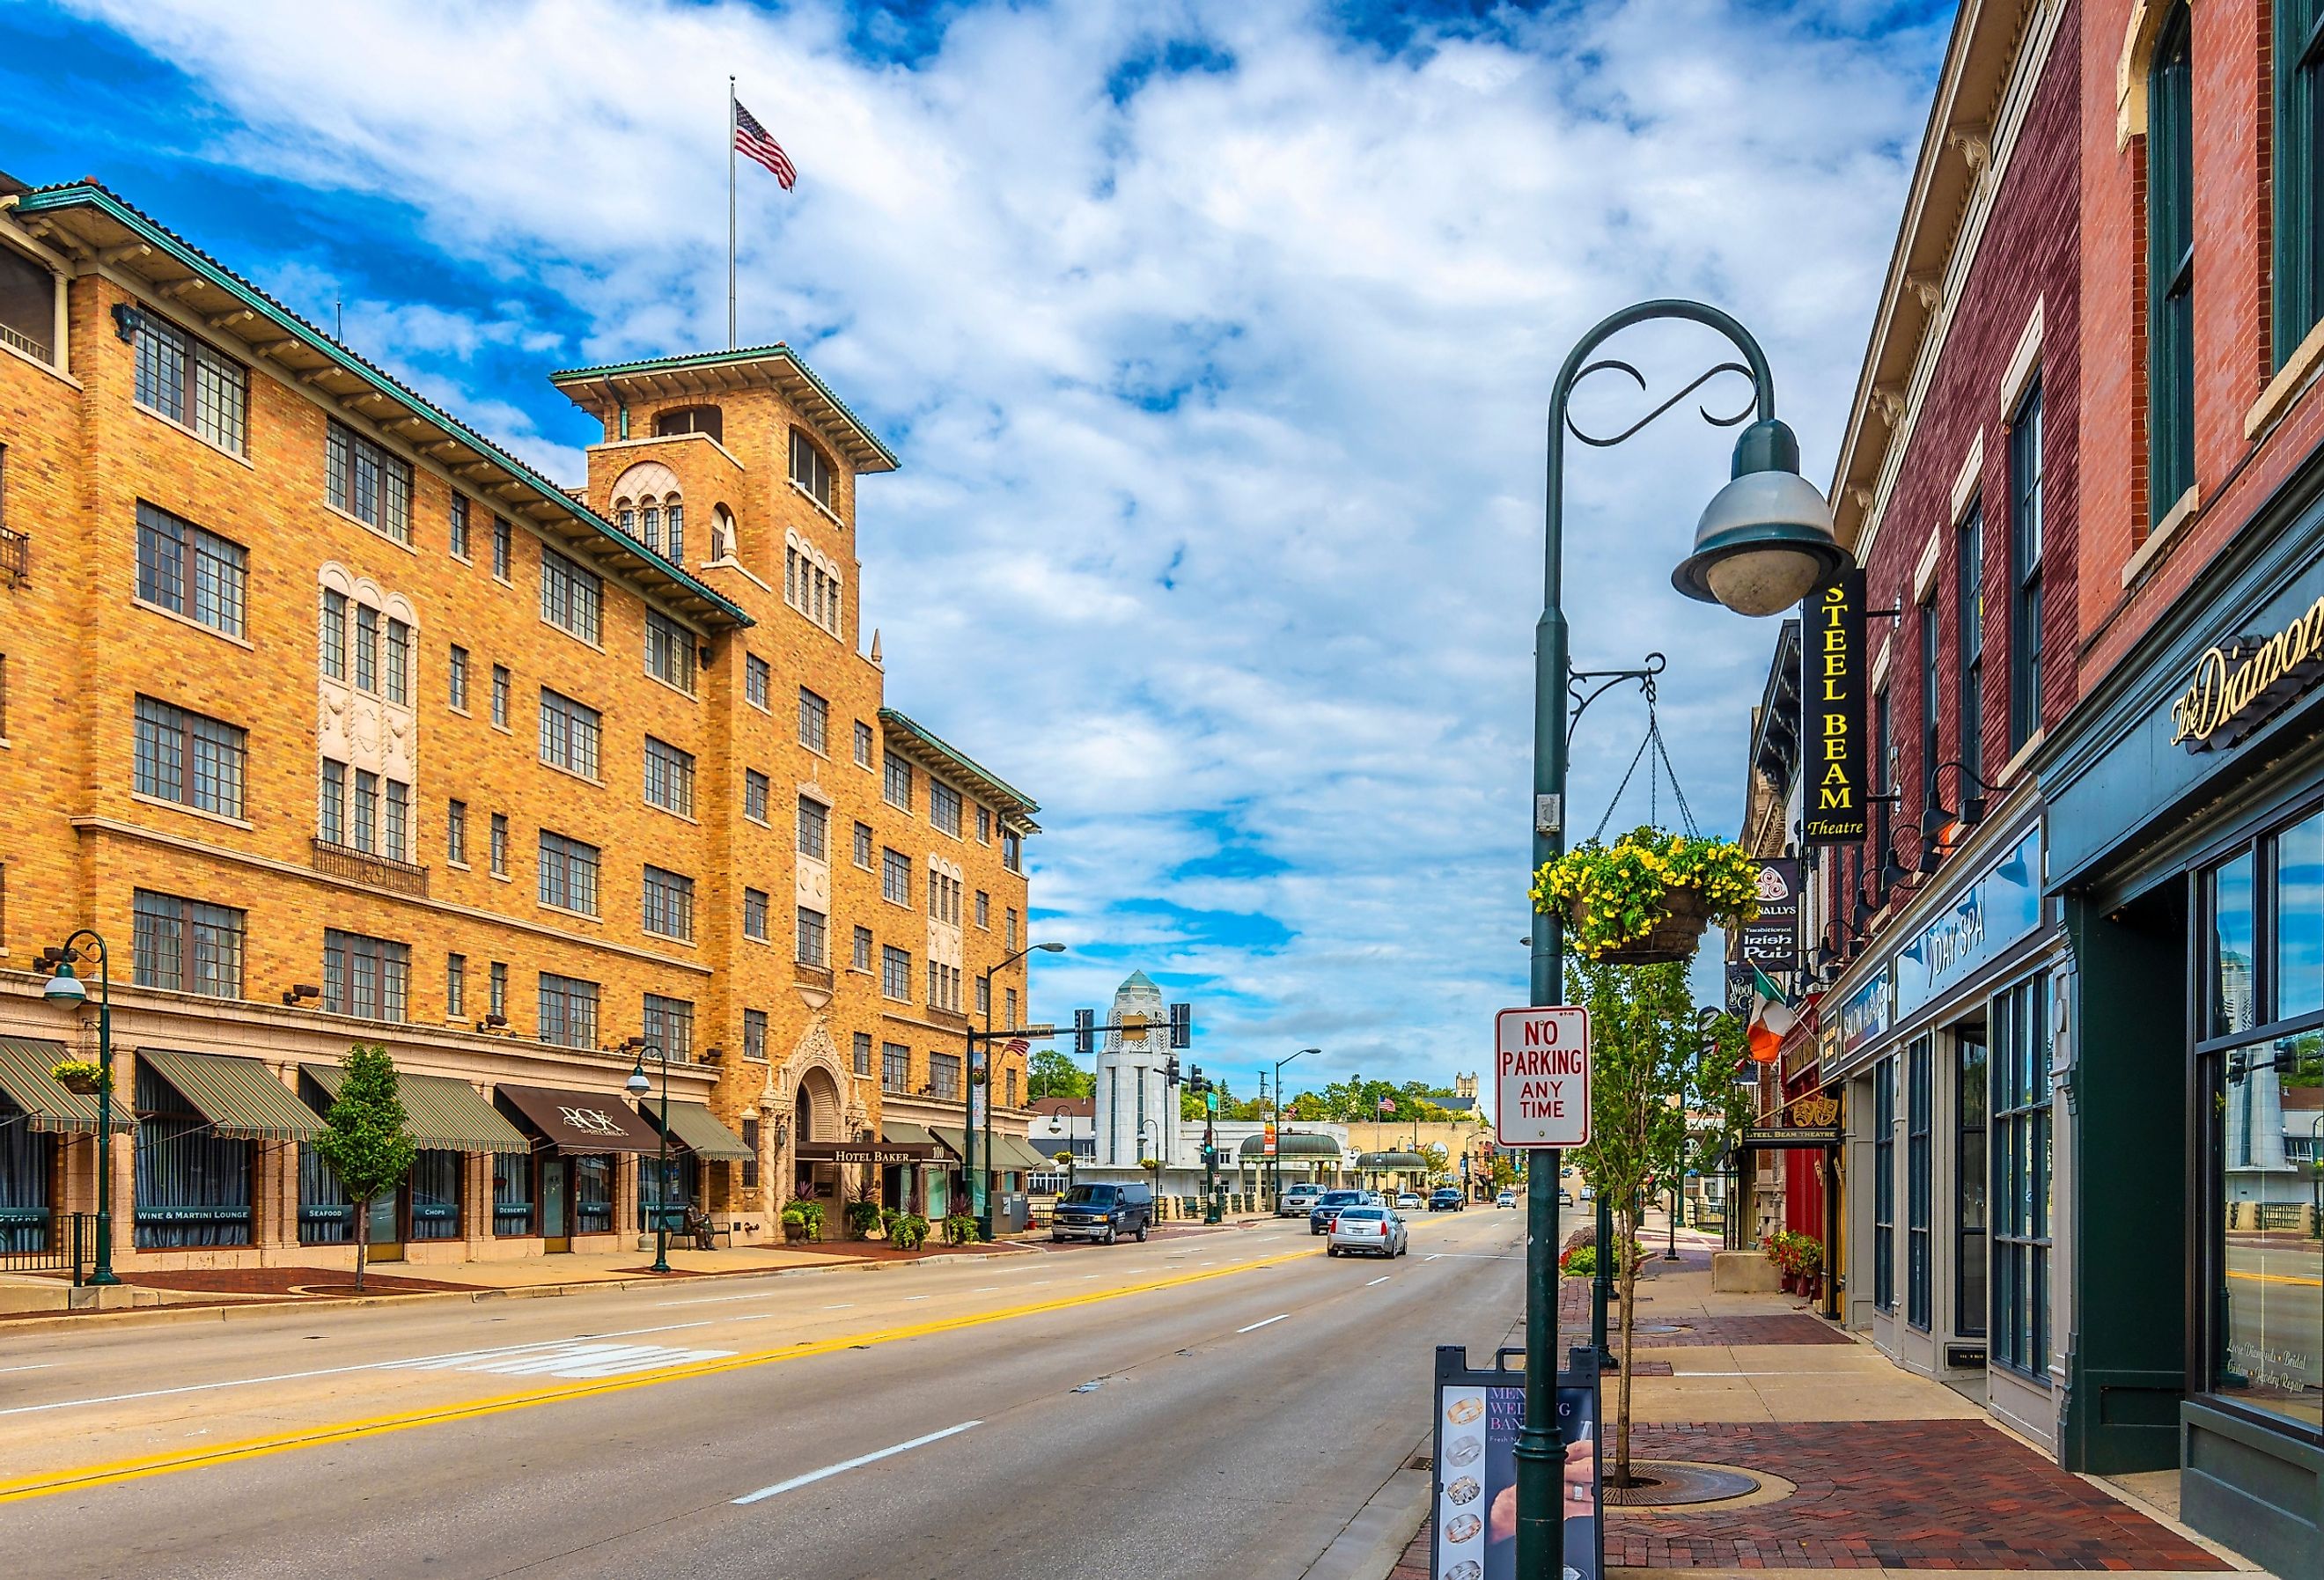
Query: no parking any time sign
x=1541, y=1064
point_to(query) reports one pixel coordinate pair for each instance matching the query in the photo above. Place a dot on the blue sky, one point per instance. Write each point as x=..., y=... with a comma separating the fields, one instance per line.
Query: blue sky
x=1215, y=339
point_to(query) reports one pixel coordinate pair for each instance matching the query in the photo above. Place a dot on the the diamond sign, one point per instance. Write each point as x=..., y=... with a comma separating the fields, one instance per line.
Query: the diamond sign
x=1541, y=1066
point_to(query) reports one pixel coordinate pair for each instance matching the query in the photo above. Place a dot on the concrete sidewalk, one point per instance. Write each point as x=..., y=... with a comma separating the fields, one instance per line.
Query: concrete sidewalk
x=1922, y=1478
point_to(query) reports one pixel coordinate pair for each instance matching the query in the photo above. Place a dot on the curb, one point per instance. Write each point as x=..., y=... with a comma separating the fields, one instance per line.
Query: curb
x=156, y=1316
x=1372, y=1543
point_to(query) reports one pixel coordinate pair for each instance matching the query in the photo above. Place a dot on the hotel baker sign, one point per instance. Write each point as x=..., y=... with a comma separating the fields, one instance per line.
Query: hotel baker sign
x=1832, y=693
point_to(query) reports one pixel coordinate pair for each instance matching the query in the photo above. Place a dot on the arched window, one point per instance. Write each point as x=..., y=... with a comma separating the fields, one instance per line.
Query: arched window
x=648, y=508
x=811, y=583
x=721, y=533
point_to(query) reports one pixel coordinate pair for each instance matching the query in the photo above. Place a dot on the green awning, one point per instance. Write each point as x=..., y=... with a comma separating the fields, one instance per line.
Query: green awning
x=697, y=1129
x=49, y=1109
x=951, y=1136
x=1014, y=1152
x=240, y=1098
x=906, y=1134
x=440, y=1113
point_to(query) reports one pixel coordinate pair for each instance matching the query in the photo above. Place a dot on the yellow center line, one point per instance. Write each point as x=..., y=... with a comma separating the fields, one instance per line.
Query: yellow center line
x=2275, y=1279
x=42, y=1483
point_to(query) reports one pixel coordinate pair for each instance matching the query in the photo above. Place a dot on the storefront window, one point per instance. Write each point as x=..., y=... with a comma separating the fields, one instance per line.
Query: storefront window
x=1884, y=1184
x=592, y=1194
x=325, y=1216
x=512, y=1193
x=1920, y=1182
x=2021, y=1179
x=683, y=1171
x=2270, y=1337
x=435, y=1196
x=24, y=1199
x=193, y=1187
x=2234, y=1006
x=1969, y=1184
x=2299, y=919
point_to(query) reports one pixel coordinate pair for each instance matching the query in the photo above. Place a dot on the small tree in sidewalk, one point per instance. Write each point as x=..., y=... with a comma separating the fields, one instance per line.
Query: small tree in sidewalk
x=1642, y=1044
x=363, y=1139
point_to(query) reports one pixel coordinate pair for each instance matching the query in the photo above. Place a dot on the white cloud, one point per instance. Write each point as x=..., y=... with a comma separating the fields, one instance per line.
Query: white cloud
x=1279, y=336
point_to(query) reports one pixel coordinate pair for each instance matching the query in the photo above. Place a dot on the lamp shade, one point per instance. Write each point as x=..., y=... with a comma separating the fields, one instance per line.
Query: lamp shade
x=64, y=987
x=1765, y=541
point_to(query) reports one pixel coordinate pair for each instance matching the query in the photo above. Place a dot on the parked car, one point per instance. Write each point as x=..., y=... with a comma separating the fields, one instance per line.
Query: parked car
x=1445, y=1198
x=1369, y=1232
x=1408, y=1201
x=1508, y=1198
x=1588, y=1193
x=1297, y=1199
x=1332, y=1203
x=1103, y=1213
x=1564, y=1196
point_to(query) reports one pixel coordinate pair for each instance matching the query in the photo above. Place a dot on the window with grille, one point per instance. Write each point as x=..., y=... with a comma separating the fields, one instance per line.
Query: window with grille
x=396, y=832
x=568, y=873
x=896, y=784
x=896, y=972
x=569, y=732
x=496, y=990
x=331, y=813
x=895, y=1068
x=983, y=908
x=815, y=720
x=2025, y=570
x=2020, y=1329
x=190, y=758
x=943, y=1076
x=985, y=826
x=813, y=937
x=367, y=978
x=754, y=1034
x=333, y=635
x=459, y=527
x=187, y=946
x=190, y=571
x=670, y=651
x=456, y=987
x=668, y=904
x=1012, y=850
x=943, y=808
x=192, y=384
x=1009, y=932
x=2298, y=185
x=810, y=469
x=813, y=827
x=568, y=1011
x=368, y=482
x=1972, y=642
x=863, y=949
x=500, y=843
x=670, y=777
x=2169, y=268
x=756, y=789
x=863, y=845
x=572, y=598
x=502, y=547
x=758, y=681
x=896, y=877
x=1920, y=1180
x=669, y=1025
x=863, y=744
x=500, y=695
x=455, y=679
x=399, y=661
x=754, y=913
x=863, y=1051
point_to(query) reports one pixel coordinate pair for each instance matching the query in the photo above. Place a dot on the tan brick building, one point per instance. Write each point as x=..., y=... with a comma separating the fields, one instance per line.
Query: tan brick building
x=338, y=723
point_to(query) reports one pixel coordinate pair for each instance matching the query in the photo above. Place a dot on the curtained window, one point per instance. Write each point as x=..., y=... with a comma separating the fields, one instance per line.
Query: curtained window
x=26, y=1161
x=193, y=1187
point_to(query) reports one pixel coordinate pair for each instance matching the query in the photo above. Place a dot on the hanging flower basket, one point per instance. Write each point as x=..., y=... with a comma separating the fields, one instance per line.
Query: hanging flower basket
x=78, y=1076
x=1647, y=898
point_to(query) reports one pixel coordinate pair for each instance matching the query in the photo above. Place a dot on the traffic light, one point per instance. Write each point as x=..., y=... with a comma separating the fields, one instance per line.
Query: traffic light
x=1170, y=1069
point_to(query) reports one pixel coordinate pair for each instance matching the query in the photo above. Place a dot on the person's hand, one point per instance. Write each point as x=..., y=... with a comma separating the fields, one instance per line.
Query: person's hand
x=1501, y=1519
x=1576, y=1493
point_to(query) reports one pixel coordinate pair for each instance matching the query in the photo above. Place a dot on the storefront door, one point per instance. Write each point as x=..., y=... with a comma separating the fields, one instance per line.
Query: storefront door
x=555, y=1208
x=1970, y=1182
x=381, y=1243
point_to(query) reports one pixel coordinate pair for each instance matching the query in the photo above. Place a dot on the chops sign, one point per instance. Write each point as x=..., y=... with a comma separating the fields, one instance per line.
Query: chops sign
x=1540, y=1065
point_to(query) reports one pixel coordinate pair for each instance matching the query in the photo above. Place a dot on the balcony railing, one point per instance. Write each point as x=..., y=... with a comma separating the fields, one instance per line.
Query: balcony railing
x=15, y=557
x=38, y=350
x=370, y=870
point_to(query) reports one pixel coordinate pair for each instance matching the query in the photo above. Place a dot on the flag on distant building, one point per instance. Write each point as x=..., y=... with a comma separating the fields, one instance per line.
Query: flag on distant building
x=1387, y=1106
x=751, y=141
x=1772, y=1019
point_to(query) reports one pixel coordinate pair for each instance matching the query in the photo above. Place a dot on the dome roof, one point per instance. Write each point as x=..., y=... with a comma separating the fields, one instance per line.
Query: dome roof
x=1292, y=1144
x=1390, y=1160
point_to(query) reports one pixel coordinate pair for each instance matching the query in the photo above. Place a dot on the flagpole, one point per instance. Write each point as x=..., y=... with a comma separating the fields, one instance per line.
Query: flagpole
x=730, y=214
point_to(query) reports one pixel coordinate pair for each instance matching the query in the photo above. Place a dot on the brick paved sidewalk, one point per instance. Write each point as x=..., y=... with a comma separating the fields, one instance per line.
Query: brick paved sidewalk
x=1889, y=1472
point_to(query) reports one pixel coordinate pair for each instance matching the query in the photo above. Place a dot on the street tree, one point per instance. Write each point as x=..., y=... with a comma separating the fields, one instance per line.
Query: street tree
x=1052, y=1073
x=1642, y=1044
x=363, y=1139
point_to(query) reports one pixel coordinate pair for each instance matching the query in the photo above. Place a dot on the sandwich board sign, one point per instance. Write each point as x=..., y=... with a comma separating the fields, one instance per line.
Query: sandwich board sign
x=1541, y=1066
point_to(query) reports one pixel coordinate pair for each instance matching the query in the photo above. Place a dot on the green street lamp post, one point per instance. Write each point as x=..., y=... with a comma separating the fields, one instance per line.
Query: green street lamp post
x=980, y=1182
x=639, y=1087
x=65, y=988
x=1764, y=543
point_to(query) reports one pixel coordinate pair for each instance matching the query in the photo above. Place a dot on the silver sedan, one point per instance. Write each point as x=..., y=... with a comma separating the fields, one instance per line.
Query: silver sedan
x=1368, y=1230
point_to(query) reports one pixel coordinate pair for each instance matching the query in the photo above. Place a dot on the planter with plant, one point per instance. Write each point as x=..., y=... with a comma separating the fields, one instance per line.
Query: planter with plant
x=908, y=1232
x=803, y=1218
x=1798, y=1257
x=960, y=1229
x=1645, y=899
x=79, y=1075
x=865, y=1220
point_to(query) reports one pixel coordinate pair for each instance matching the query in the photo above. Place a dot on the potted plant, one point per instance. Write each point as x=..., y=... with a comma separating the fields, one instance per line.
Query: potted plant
x=81, y=1076
x=1645, y=899
x=865, y=1220
x=908, y=1232
x=960, y=1229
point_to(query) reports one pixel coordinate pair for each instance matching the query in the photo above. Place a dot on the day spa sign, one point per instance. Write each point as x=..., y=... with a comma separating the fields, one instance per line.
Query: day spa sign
x=2239, y=686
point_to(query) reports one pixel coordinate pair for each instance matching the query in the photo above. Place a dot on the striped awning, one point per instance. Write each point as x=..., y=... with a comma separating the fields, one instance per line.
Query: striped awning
x=49, y=1109
x=697, y=1129
x=440, y=1113
x=240, y=1098
x=951, y=1136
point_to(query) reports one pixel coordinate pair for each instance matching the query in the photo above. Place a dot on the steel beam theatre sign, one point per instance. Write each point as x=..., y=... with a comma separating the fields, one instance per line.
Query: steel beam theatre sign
x=1541, y=1066
x=1832, y=796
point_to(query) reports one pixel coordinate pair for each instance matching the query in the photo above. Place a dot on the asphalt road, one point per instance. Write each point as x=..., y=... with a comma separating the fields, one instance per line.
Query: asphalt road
x=1204, y=1405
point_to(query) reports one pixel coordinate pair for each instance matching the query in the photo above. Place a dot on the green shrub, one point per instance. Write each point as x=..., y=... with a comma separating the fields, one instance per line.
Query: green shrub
x=908, y=1232
x=862, y=1217
x=960, y=1229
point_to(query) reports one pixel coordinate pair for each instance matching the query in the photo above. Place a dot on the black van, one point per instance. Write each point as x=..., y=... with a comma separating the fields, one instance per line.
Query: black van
x=1103, y=1213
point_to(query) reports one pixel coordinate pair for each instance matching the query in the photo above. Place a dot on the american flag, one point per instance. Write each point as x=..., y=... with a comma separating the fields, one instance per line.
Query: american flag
x=751, y=140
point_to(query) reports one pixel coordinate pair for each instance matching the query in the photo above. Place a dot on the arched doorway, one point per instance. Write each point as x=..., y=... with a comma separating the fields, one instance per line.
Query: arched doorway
x=816, y=1115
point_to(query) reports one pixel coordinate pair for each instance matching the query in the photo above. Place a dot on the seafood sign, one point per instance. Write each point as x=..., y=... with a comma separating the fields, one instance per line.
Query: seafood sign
x=1541, y=1063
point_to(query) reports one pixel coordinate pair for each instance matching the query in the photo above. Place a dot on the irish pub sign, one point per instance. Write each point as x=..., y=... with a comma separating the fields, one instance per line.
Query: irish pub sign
x=1832, y=705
